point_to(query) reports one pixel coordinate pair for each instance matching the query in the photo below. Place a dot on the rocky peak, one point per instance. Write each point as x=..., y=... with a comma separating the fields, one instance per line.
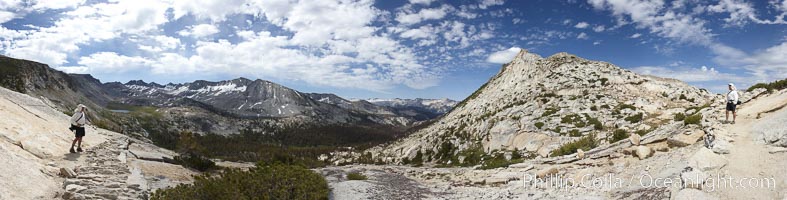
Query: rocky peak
x=567, y=96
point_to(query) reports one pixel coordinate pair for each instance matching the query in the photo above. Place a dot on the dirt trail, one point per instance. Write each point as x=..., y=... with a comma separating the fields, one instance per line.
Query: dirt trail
x=749, y=159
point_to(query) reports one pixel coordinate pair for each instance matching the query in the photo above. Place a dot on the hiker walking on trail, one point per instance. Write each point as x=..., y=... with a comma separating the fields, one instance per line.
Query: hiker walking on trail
x=78, y=122
x=732, y=103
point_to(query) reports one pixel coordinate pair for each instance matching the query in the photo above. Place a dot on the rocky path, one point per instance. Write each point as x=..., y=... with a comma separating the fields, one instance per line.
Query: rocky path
x=105, y=174
x=750, y=159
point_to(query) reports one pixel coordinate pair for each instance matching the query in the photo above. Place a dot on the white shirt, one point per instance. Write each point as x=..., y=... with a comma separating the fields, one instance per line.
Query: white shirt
x=732, y=96
x=79, y=119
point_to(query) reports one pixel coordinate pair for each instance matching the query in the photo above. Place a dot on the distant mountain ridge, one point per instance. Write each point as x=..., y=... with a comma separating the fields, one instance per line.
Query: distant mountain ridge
x=237, y=98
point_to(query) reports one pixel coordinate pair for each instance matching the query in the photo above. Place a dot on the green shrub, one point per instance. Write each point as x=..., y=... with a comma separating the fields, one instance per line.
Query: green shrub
x=769, y=87
x=604, y=81
x=634, y=118
x=596, y=124
x=679, y=117
x=643, y=132
x=195, y=161
x=625, y=106
x=585, y=143
x=539, y=125
x=693, y=119
x=574, y=133
x=574, y=119
x=356, y=176
x=593, y=108
x=550, y=111
x=265, y=181
x=605, y=106
x=618, y=135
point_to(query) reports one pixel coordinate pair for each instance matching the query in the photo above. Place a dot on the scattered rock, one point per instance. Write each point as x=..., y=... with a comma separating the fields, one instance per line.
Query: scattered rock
x=634, y=139
x=67, y=172
x=721, y=147
x=692, y=194
x=75, y=188
x=523, y=166
x=659, y=146
x=643, y=152
x=777, y=150
x=580, y=154
x=682, y=140
x=546, y=172
x=706, y=160
x=691, y=178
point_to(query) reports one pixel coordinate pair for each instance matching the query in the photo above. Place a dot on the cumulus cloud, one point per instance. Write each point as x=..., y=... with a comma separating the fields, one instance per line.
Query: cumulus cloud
x=741, y=12
x=408, y=17
x=635, y=35
x=581, y=25
x=201, y=30
x=504, y=56
x=583, y=36
x=111, y=62
x=688, y=74
x=484, y=4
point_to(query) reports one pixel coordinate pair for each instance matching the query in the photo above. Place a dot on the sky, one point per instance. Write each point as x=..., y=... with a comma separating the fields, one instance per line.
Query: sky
x=394, y=48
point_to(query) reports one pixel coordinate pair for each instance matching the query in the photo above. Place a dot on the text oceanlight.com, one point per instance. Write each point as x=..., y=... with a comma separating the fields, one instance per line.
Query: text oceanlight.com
x=609, y=181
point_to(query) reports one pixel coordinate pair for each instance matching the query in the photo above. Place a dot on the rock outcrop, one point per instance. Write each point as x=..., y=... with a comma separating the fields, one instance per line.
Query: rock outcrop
x=35, y=162
x=537, y=104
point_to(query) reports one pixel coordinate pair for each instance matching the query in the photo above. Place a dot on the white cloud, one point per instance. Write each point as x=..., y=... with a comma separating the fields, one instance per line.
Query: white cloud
x=74, y=70
x=425, y=31
x=504, y=56
x=581, y=25
x=702, y=74
x=198, y=31
x=215, y=10
x=111, y=62
x=424, y=2
x=741, y=12
x=596, y=42
x=484, y=4
x=582, y=36
x=56, y=4
x=408, y=17
x=663, y=22
x=599, y=28
x=635, y=35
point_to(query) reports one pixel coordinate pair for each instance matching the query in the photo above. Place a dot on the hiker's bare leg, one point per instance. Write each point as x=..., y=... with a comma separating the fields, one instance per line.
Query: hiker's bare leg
x=80, y=142
x=75, y=141
x=734, y=115
x=727, y=116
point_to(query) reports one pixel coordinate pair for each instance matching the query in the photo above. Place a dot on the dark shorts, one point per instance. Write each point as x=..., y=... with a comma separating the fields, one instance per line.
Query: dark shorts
x=79, y=131
x=731, y=106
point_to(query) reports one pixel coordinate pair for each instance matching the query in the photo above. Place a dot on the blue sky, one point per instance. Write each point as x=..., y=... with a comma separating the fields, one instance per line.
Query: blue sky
x=406, y=48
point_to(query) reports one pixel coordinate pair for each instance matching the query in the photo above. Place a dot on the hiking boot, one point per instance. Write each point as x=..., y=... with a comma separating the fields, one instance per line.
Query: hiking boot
x=733, y=122
x=79, y=149
x=72, y=150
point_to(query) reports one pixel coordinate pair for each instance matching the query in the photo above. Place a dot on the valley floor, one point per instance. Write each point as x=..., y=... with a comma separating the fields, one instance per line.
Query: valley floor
x=743, y=168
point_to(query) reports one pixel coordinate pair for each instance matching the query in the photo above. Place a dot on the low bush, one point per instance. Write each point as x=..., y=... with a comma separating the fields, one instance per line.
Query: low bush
x=356, y=176
x=693, y=119
x=195, y=161
x=585, y=143
x=618, y=135
x=539, y=125
x=634, y=118
x=265, y=181
x=679, y=117
x=574, y=133
x=769, y=87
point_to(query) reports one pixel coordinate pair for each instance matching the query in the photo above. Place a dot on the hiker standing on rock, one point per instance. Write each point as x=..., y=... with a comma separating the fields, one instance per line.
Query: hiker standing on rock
x=78, y=122
x=732, y=103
